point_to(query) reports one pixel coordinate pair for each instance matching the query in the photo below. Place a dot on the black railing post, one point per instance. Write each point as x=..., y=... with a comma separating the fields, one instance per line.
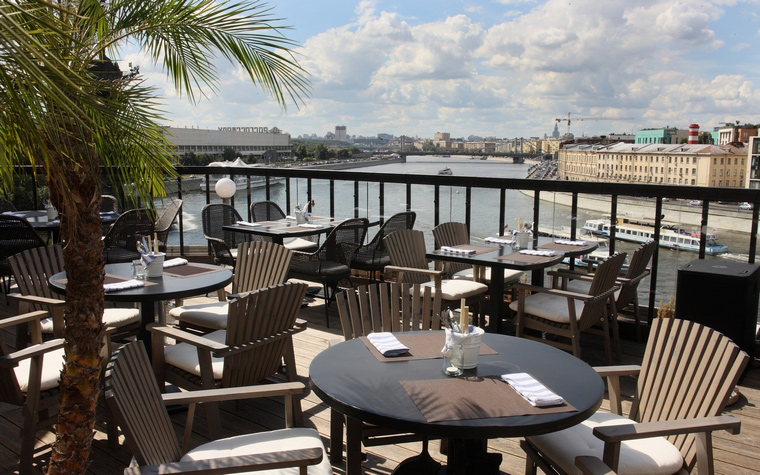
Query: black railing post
x=437, y=203
x=502, y=210
x=703, y=229
x=613, y=222
x=356, y=199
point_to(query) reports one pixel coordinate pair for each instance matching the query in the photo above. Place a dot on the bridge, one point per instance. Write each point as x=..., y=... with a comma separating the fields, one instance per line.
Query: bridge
x=516, y=157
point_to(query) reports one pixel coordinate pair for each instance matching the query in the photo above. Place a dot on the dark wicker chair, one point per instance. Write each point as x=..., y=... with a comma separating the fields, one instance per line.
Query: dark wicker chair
x=120, y=242
x=223, y=243
x=16, y=235
x=332, y=261
x=6, y=205
x=109, y=204
x=373, y=256
x=165, y=221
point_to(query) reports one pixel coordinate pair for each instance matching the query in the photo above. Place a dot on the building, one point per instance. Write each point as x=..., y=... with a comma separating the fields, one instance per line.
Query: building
x=736, y=134
x=753, y=156
x=667, y=135
x=340, y=133
x=683, y=164
x=442, y=140
x=244, y=140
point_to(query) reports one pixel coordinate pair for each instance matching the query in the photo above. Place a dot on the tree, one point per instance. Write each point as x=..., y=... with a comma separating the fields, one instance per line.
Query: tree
x=229, y=154
x=64, y=107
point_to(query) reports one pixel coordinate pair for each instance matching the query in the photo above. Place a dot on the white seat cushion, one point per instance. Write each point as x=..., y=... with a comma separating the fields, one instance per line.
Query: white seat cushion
x=510, y=276
x=185, y=356
x=207, y=315
x=52, y=364
x=549, y=307
x=112, y=317
x=652, y=456
x=299, y=244
x=583, y=286
x=458, y=289
x=265, y=442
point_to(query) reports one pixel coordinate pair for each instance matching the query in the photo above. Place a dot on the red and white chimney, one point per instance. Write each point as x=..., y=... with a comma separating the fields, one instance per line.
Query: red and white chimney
x=693, y=134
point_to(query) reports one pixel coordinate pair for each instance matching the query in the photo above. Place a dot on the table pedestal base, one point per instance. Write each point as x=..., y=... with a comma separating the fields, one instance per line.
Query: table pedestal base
x=422, y=464
x=470, y=457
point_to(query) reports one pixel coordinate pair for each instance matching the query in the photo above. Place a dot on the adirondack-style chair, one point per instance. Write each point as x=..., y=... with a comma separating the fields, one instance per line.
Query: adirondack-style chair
x=133, y=395
x=382, y=307
x=258, y=337
x=29, y=378
x=566, y=314
x=406, y=249
x=684, y=383
x=259, y=265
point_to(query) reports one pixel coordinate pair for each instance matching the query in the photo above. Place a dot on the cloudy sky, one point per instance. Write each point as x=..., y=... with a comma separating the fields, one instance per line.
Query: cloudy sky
x=502, y=68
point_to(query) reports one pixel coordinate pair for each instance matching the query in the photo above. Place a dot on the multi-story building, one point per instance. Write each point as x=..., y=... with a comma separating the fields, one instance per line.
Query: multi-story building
x=753, y=156
x=245, y=140
x=737, y=134
x=340, y=133
x=696, y=164
x=442, y=140
x=665, y=135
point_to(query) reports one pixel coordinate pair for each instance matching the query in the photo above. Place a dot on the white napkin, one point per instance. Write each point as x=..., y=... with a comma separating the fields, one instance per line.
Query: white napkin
x=308, y=225
x=177, y=261
x=387, y=344
x=454, y=250
x=291, y=218
x=127, y=284
x=531, y=390
x=247, y=223
x=536, y=252
x=499, y=240
x=570, y=243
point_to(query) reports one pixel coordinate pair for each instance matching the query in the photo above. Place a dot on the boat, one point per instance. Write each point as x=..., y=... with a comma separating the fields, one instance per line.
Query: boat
x=241, y=182
x=671, y=236
x=445, y=171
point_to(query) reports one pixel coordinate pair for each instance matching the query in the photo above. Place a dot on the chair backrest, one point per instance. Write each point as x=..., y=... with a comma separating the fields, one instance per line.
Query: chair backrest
x=266, y=211
x=6, y=205
x=133, y=397
x=167, y=217
x=128, y=228
x=214, y=217
x=254, y=316
x=108, y=204
x=406, y=248
x=343, y=241
x=16, y=235
x=602, y=287
x=32, y=269
x=403, y=220
x=637, y=270
x=451, y=234
x=259, y=265
x=388, y=307
x=688, y=371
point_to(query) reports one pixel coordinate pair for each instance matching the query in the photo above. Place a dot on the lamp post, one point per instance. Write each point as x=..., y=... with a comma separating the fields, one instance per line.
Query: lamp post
x=225, y=189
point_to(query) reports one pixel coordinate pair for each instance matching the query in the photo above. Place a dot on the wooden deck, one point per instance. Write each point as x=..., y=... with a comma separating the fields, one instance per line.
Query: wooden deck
x=734, y=454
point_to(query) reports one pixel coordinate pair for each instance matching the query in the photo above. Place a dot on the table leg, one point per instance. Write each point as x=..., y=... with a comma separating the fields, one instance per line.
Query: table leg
x=496, y=291
x=353, y=446
x=147, y=316
x=468, y=456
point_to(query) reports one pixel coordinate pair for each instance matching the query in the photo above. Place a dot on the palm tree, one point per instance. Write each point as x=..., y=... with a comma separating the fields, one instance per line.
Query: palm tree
x=66, y=109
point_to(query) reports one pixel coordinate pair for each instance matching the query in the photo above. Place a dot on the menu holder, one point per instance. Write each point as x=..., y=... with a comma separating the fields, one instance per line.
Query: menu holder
x=476, y=397
x=422, y=345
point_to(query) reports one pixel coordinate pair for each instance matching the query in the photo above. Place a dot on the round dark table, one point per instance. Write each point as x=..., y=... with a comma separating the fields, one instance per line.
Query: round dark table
x=156, y=290
x=350, y=379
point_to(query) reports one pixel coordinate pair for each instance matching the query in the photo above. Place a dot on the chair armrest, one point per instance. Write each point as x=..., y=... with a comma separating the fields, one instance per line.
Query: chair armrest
x=232, y=394
x=590, y=465
x=229, y=351
x=12, y=359
x=617, y=370
x=413, y=270
x=186, y=337
x=557, y=292
x=37, y=300
x=23, y=318
x=613, y=374
x=247, y=463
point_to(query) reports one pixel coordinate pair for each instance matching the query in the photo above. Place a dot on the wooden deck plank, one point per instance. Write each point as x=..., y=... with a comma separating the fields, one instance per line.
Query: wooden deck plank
x=733, y=454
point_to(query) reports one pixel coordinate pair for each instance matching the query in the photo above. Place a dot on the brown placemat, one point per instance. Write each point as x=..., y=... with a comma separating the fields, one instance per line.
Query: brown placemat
x=553, y=246
x=457, y=399
x=478, y=248
x=189, y=270
x=422, y=346
x=527, y=258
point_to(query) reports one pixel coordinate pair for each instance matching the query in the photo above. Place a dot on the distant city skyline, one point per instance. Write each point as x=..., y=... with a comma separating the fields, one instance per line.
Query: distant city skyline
x=501, y=68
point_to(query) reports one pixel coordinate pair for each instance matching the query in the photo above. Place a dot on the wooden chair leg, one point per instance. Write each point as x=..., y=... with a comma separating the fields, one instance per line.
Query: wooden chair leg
x=292, y=376
x=336, y=436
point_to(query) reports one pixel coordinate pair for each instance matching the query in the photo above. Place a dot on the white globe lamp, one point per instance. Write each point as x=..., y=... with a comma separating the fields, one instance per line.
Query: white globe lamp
x=225, y=189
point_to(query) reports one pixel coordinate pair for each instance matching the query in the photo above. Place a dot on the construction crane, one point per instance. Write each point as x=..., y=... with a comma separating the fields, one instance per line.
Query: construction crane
x=568, y=119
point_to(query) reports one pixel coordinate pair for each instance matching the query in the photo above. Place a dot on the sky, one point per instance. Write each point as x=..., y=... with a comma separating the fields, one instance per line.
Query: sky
x=495, y=68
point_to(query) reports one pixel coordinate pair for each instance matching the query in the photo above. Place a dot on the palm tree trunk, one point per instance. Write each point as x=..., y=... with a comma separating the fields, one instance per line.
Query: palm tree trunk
x=83, y=253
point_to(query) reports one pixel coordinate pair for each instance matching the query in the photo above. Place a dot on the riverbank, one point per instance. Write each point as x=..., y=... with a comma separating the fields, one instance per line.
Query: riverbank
x=722, y=217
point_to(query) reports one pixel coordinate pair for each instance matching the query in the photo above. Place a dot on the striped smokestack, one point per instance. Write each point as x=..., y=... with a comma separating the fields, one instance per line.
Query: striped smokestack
x=693, y=134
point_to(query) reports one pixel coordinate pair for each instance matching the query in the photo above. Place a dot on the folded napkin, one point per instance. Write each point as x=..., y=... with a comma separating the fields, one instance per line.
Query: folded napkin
x=387, y=344
x=316, y=226
x=536, y=252
x=127, y=284
x=531, y=390
x=291, y=218
x=177, y=261
x=570, y=243
x=499, y=240
x=455, y=250
x=247, y=223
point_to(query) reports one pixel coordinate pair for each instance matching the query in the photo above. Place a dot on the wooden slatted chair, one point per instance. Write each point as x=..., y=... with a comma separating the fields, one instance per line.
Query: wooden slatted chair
x=29, y=378
x=33, y=269
x=267, y=210
x=373, y=256
x=406, y=249
x=454, y=234
x=133, y=395
x=381, y=307
x=258, y=337
x=562, y=313
x=259, y=265
x=684, y=382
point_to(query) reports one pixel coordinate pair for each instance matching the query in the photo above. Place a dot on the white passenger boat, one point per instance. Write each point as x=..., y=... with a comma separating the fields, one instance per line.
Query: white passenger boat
x=671, y=236
x=241, y=182
x=445, y=171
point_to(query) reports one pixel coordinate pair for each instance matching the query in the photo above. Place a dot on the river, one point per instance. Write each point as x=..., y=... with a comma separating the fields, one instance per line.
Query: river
x=484, y=213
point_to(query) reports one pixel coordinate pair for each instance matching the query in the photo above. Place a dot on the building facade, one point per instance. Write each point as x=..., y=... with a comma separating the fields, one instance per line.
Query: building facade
x=694, y=165
x=666, y=135
x=340, y=133
x=244, y=140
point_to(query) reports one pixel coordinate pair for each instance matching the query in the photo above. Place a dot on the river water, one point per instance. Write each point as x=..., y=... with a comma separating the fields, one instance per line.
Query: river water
x=484, y=212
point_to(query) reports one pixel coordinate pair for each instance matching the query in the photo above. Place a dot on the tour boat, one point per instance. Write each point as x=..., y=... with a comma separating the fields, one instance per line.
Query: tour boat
x=445, y=171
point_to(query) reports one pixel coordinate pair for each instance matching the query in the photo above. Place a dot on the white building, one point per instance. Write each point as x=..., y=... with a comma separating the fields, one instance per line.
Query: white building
x=244, y=140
